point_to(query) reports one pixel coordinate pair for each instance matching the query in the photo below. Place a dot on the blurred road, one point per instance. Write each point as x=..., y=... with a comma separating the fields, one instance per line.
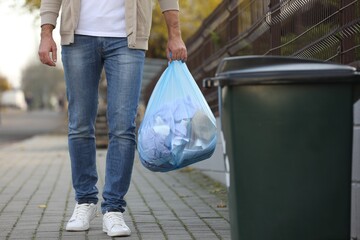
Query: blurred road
x=18, y=125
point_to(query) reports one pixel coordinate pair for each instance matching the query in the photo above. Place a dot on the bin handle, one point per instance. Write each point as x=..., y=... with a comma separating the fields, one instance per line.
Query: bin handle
x=225, y=157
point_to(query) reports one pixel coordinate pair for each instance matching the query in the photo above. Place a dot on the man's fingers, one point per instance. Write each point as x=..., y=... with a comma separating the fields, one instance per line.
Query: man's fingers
x=54, y=56
x=180, y=54
x=183, y=55
x=45, y=59
x=48, y=57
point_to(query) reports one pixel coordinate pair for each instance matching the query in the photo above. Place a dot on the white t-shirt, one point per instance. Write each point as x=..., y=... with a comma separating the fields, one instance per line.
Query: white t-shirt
x=102, y=18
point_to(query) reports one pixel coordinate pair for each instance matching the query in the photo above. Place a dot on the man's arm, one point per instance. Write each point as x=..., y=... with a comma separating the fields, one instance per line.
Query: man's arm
x=176, y=45
x=47, y=49
x=49, y=12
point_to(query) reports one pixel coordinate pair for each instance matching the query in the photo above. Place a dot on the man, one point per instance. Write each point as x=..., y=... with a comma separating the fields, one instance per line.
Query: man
x=113, y=35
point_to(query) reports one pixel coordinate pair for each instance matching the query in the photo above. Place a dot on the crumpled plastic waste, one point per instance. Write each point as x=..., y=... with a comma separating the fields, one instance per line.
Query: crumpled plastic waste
x=177, y=129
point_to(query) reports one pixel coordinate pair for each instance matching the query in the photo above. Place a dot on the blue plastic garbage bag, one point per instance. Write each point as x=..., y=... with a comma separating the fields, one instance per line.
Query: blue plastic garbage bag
x=178, y=128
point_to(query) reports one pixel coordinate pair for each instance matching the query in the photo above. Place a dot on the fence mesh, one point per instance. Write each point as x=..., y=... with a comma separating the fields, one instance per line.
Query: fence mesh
x=327, y=30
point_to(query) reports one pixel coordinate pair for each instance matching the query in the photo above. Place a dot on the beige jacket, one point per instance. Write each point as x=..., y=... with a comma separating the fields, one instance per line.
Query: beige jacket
x=138, y=15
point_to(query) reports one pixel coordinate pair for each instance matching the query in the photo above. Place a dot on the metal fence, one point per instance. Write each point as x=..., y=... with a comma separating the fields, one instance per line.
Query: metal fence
x=327, y=30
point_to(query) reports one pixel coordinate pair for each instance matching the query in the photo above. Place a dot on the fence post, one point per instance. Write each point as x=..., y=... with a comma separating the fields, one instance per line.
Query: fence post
x=233, y=26
x=347, y=15
x=275, y=27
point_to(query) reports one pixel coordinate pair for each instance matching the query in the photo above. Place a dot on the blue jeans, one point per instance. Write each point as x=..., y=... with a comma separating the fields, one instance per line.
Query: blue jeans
x=83, y=62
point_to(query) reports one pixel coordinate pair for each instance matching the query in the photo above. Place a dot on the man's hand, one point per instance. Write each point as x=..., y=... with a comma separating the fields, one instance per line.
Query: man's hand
x=176, y=49
x=47, y=49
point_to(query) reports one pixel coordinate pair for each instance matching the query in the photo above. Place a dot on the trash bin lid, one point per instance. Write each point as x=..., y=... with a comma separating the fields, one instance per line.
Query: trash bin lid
x=249, y=70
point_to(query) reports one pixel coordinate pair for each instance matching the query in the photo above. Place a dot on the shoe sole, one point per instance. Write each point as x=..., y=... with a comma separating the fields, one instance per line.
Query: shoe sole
x=77, y=229
x=116, y=234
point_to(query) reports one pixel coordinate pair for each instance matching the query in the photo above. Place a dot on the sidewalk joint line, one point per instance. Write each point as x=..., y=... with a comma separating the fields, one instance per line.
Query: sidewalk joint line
x=30, y=198
x=165, y=202
x=186, y=203
x=49, y=197
x=150, y=209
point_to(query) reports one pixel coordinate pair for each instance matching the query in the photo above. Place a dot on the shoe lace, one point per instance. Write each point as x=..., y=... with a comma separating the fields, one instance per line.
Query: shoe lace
x=116, y=219
x=81, y=210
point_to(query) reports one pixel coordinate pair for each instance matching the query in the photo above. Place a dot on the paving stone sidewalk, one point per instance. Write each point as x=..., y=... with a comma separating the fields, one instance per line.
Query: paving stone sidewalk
x=36, y=198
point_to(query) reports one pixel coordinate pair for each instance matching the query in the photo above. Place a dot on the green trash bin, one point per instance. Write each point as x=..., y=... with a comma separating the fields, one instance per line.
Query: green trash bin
x=288, y=134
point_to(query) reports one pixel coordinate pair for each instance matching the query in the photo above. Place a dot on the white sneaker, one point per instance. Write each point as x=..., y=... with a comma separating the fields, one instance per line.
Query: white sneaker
x=114, y=225
x=81, y=217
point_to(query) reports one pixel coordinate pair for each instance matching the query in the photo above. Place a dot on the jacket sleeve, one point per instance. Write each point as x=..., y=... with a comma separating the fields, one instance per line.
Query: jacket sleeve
x=166, y=5
x=49, y=11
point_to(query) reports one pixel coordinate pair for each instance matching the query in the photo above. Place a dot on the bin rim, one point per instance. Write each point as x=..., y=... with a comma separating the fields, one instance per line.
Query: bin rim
x=279, y=70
